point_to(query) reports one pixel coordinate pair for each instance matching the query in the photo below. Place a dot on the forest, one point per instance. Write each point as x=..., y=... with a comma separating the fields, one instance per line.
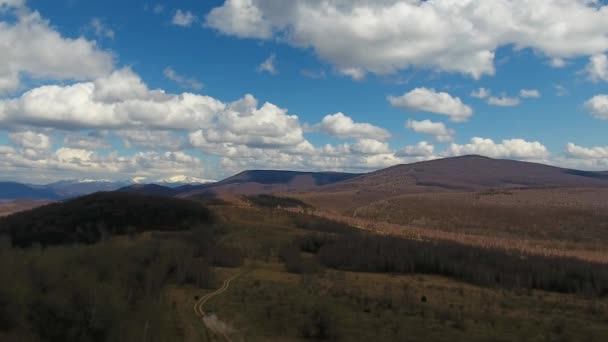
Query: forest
x=488, y=267
x=89, y=219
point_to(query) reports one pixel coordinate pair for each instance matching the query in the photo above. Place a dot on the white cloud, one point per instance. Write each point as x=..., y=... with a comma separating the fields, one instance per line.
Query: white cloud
x=481, y=93
x=558, y=63
x=30, y=139
x=510, y=149
x=120, y=100
x=242, y=123
x=454, y=36
x=588, y=158
x=580, y=152
x=9, y=4
x=342, y=126
x=428, y=100
x=155, y=140
x=371, y=147
x=101, y=29
x=437, y=130
x=183, y=18
x=356, y=74
x=241, y=18
x=269, y=65
x=597, y=69
x=503, y=101
x=90, y=141
x=31, y=47
x=598, y=106
x=422, y=149
x=529, y=93
x=68, y=162
x=182, y=81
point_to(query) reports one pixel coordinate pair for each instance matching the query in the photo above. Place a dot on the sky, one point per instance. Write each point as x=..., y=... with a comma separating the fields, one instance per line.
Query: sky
x=144, y=90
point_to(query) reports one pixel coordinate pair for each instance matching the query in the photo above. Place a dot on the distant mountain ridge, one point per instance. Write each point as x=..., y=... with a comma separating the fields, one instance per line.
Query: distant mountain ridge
x=469, y=173
x=149, y=189
x=266, y=182
x=17, y=191
x=466, y=173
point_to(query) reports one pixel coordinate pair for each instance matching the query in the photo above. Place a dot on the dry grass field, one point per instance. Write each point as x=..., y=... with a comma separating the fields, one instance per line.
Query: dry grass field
x=557, y=221
x=11, y=207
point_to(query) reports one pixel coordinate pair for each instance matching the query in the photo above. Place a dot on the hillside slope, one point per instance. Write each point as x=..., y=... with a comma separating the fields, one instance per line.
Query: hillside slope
x=86, y=219
x=149, y=189
x=469, y=173
x=265, y=182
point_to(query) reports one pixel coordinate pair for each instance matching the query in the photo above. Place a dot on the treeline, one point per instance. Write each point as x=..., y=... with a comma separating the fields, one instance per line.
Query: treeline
x=342, y=247
x=107, y=291
x=269, y=201
x=476, y=265
x=88, y=219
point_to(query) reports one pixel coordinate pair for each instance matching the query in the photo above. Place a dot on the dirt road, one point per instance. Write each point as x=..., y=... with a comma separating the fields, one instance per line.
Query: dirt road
x=199, y=305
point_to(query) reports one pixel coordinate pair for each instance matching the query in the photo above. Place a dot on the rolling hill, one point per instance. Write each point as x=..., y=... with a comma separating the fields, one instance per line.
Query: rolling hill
x=86, y=219
x=149, y=189
x=468, y=173
x=266, y=182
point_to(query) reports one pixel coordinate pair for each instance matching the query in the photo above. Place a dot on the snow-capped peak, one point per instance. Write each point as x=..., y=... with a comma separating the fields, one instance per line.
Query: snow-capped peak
x=185, y=180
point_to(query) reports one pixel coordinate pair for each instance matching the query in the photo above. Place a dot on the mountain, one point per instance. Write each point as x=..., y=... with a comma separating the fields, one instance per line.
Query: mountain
x=149, y=189
x=265, y=182
x=469, y=173
x=74, y=188
x=15, y=191
x=181, y=180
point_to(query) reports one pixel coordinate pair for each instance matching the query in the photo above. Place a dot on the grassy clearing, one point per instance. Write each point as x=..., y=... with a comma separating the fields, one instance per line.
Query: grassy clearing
x=270, y=304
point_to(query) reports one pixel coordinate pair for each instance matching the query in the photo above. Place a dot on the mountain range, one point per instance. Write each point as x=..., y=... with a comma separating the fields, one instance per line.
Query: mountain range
x=457, y=174
x=73, y=188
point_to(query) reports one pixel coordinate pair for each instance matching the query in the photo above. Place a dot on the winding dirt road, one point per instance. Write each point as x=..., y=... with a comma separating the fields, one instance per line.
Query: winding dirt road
x=198, y=306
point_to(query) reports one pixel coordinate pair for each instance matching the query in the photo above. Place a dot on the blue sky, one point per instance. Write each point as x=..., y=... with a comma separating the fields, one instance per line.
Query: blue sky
x=126, y=89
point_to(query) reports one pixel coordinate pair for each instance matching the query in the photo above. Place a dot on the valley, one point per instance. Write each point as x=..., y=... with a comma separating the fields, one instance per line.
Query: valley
x=296, y=257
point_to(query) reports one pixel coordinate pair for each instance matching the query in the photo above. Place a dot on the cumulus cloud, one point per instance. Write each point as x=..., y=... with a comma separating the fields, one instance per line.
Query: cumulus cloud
x=591, y=158
x=68, y=162
x=597, y=69
x=503, y=101
x=32, y=47
x=151, y=139
x=182, y=81
x=437, y=130
x=342, y=126
x=368, y=36
x=529, y=93
x=183, y=18
x=422, y=149
x=428, y=100
x=509, y=149
x=243, y=123
x=90, y=141
x=120, y=100
x=269, y=65
x=241, y=18
x=580, y=152
x=30, y=139
x=598, y=106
